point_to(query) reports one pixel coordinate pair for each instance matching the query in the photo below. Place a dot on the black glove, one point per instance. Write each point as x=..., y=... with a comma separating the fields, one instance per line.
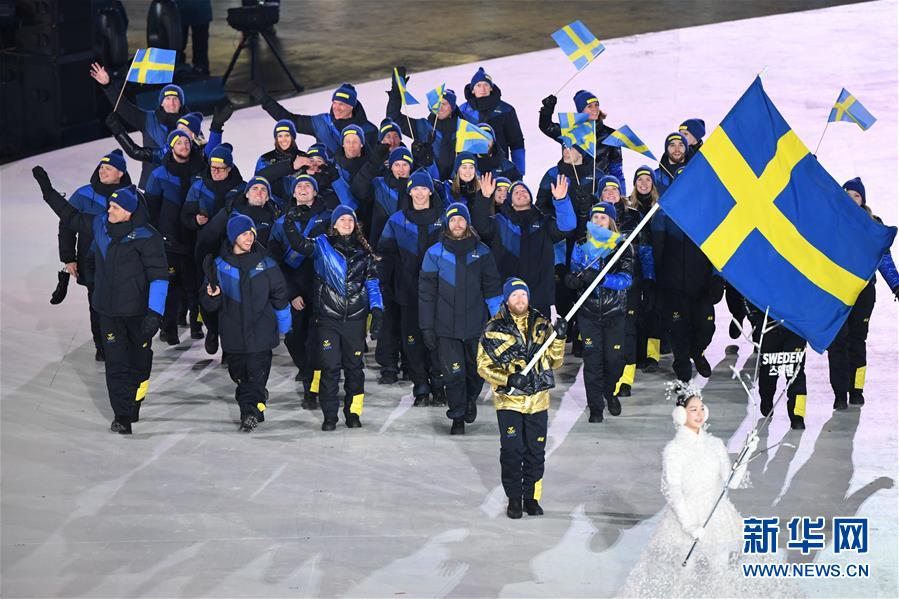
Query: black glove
x=221, y=115
x=379, y=154
x=377, y=318
x=517, y=381
x=43, y=180
x=257, y=94
x=422, y=153
x=401, y=71
x=62, y=287
x=150, y=326
x=430, y=339
x=584, y=199
x=589, y=275
x=896, y=293
x=549, y=102
x=572, y=281
x=560, y=327
x=114, y=123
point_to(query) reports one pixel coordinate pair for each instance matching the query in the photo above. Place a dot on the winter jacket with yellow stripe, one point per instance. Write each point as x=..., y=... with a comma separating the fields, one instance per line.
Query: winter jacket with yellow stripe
x=507, y=345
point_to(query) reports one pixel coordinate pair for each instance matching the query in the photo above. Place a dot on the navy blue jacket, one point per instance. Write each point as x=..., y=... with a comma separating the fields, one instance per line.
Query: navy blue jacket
x=407, y=236
x=208, y=197
x=166, y=192
x=252, y=305
x=502, y=117
x=311, y=221
x=324, y=127
x=459, y=288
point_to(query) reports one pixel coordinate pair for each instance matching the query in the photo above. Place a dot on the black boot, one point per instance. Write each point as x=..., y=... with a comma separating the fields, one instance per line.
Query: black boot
x=121, y=427
x=196, y=330
x=248, y=423
x=651, y=365
x=171, y=337
x=387, y=378
x=595, y=415
x=856, y=398
x=514, y=509
x=458, y=427
x=352, y=421
x=614, y=405
x=624, y=390
x=438, y=397
x=839, y=402
x=532, y=507
x=329, y=424
x=702, y=366
x=135, y=415
x=62, y=287
x=310, y=401
x=212, y=343
x=99, y=355
x=471, y=410
x=797, y=423
x=421, y=400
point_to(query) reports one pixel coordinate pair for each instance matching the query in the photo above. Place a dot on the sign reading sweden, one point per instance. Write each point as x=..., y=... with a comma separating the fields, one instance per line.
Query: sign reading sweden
x=779, y=228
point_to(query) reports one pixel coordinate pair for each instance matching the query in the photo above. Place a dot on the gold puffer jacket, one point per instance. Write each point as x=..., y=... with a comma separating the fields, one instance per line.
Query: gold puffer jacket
x=507, y=345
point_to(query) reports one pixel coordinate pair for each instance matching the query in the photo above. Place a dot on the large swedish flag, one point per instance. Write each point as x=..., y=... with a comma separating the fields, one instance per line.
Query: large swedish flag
x=152, y=65
x=775, y=223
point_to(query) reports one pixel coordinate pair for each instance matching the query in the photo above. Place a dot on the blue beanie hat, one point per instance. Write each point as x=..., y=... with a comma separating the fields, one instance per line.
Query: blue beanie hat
x=353, y=130
x=388, y=125
x=346, y=93
x=462, y=157
x=512, y=285
x=582, y=98
x=696, y=127
x=644, y=170
x=125, y=197
x=221, y=155
x=115, y=159
x=239, y=224
x=604, y=208
x=401, y=153
x=285, y=125
x=192, y=121
x=341, y=210
x=321, y=151
x=481, y=76
x=304, y=178
x=257, y=180
x=675, y=136
x=520, y=183
x=457, y=209
x=421, y=178
x=171, y=90
x=608, y=181
x=857, y=186
x=450, y=96
x=174, y=134
x=503, y=182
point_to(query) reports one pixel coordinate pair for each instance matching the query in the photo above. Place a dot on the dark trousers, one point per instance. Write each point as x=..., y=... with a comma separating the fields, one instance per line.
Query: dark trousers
x=782, y=342
x=96, y=332
x=250, y=372
x=298, y=342
x=387, y=352
x=522, y=439
x=417, y=358
x=603, y=357
x=129, y=359
x=648, y=330
x=691, y=324
x=459, y=364
x=199, y=37
x=629, y=358
x=339, y=345
x=847, y=355
x=735, y=304
x=183, y=291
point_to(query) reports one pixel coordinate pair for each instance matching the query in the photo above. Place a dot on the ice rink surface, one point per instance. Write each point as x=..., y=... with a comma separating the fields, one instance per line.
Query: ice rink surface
x=187, y=506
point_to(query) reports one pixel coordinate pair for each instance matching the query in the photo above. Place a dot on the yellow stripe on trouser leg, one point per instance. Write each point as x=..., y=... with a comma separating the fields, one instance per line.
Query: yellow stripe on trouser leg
x=260, y=406
x=860, y=377
x=316, y=379
x=799, y=408
x=538, y=490
x=142, y=390
x=356, y=405
x=653, y=349
x=627, y=377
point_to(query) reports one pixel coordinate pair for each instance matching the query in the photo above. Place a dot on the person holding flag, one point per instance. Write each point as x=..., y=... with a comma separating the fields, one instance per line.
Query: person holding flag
x=847, y=355
x=602, y=318
x=607, y=158
x=494, y=162
x=156, y=124
x=484, y=104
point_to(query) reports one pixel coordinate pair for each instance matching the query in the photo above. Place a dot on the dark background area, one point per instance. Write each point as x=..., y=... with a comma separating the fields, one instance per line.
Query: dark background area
x=47, y=99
